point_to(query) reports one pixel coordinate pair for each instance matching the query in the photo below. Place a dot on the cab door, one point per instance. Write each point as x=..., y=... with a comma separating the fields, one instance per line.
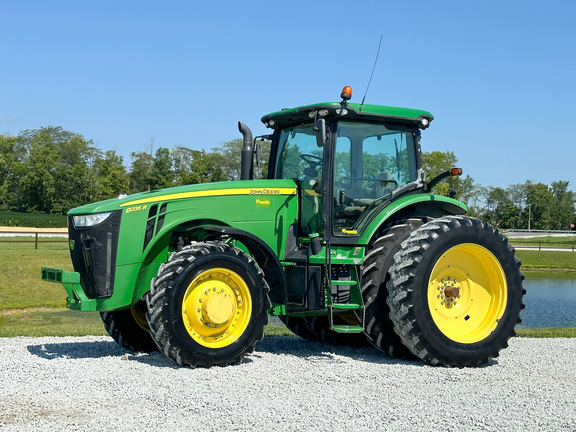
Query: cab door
x=299, y=158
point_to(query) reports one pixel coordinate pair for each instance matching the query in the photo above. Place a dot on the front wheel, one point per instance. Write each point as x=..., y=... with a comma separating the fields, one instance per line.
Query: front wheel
x=455, y=292
x=208, y=305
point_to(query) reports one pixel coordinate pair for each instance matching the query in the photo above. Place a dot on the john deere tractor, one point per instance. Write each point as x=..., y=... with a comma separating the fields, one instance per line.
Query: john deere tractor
x=343, y=241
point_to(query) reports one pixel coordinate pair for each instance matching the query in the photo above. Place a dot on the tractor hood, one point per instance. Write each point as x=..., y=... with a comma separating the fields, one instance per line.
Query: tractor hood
x=142, y=200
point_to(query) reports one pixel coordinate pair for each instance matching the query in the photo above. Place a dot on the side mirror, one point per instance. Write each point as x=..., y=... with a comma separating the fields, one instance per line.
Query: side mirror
x=320, y=131
x=257, y=152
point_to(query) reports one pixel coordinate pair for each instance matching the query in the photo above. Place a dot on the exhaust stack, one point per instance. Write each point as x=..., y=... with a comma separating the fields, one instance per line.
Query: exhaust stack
x=246, y=166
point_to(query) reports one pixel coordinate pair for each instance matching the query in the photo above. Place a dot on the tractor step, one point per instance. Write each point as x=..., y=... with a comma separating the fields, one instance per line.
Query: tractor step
x=343, y=282
x=346, y=306
x=347, y=329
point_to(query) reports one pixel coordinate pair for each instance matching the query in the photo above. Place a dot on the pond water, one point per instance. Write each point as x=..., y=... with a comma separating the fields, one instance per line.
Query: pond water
x=550, y=299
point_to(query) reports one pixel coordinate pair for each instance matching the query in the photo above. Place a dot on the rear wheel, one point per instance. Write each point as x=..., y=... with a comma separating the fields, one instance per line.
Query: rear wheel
x=208, y=305
x=129, y=328
x=456, y=292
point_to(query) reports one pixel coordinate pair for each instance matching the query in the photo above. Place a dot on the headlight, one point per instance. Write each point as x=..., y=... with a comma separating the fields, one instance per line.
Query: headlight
x=90, y=220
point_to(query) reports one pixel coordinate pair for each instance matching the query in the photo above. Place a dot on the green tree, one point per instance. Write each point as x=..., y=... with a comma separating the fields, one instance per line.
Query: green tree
x=140, y=178
x=74, y=176
x=51, y=172
x=197, y=166
x=231, y=152
x=539, y=206
x=499, y=208
x=7, y=158
x=111, y=176
x=563, y=213
x=162, y=173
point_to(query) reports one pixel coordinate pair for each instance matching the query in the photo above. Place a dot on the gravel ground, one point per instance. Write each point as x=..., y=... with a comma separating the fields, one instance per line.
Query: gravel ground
x=288, y=384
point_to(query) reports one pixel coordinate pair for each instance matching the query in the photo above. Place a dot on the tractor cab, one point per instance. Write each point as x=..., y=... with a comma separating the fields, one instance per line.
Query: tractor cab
x=349, y=161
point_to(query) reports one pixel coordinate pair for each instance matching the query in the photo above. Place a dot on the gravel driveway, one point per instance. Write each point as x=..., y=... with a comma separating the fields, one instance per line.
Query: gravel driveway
x=288, y=384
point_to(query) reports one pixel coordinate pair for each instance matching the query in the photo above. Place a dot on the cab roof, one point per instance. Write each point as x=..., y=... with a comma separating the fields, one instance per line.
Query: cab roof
x=352, y=111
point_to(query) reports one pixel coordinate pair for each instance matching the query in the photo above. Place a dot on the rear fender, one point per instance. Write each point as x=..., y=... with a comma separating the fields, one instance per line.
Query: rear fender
x=419, y=206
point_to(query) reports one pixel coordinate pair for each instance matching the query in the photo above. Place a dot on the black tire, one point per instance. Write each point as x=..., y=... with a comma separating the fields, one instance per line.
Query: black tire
x=379, y=328
x=456, y=292
x=317, y=328
x=208, y=305
x=129, y=328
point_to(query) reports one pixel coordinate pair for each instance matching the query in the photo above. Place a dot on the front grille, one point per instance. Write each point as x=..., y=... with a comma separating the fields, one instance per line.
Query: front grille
x=93, y=253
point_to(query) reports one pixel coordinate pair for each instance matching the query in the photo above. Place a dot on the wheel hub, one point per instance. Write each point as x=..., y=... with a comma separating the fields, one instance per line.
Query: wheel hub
x=219, y=307
x=448, y=292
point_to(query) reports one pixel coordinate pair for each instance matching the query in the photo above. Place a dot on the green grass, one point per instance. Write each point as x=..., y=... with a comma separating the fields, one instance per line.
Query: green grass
x=551, y=332
x=20, y=269
x=15, y=219
x=544, y=241
x=50, y=322
x=547, y=259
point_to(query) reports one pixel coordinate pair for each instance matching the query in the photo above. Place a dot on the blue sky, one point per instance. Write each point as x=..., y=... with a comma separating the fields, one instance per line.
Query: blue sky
x=499, y=76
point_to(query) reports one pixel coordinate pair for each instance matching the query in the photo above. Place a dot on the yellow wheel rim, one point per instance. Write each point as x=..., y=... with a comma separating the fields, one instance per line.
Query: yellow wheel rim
x=216, y=308
x=467, y=293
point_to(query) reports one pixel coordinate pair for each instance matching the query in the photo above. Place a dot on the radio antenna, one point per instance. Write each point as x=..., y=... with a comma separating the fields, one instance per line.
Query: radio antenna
x=373, y=67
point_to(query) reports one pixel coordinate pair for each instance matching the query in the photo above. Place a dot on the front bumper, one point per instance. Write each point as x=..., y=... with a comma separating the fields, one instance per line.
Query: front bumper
x=77, y=299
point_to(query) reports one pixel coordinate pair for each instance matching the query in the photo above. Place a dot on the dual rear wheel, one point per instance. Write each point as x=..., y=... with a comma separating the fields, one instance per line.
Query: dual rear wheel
x=454, y=293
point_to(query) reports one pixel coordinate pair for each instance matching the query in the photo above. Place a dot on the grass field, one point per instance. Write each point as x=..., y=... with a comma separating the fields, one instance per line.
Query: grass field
x=31, y=307
x=20, y=268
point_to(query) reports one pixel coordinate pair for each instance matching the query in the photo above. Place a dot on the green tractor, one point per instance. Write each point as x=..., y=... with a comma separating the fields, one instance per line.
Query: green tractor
x=343, y=241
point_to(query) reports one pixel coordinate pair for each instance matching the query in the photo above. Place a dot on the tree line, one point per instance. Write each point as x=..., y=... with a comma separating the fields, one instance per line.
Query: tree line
x=51, y=170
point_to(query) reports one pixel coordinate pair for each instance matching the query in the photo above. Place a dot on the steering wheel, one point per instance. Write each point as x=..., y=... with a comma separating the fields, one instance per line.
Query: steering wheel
x=385, y=182
x=313, y=160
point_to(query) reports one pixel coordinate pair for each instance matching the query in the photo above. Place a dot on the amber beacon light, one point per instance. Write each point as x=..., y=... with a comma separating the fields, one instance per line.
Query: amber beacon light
x=346, y=93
